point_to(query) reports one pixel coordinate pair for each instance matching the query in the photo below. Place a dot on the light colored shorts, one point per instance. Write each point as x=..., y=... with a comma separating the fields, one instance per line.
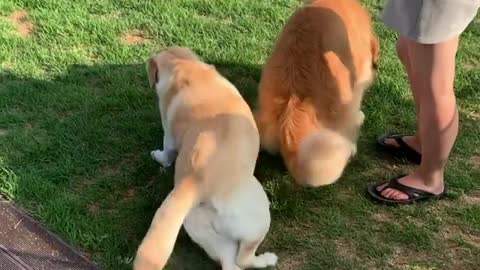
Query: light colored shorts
x=429, y=21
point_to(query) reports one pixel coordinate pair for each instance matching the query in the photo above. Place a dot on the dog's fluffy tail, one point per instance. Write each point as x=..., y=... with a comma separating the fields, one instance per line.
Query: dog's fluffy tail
x=322, y=158
x=158, y=244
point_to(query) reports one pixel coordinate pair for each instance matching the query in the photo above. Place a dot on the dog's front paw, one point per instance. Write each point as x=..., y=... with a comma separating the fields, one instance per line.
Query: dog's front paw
x=161, y=157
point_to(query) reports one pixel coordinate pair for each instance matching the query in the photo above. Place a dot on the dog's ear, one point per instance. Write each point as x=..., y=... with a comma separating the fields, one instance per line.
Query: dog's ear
x=152, y=71
x=375, y=47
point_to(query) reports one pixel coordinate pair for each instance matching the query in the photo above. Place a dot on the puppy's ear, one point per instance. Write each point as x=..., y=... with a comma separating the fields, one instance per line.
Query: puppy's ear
x=182, y=79
x=375, y=47
x=152, y=71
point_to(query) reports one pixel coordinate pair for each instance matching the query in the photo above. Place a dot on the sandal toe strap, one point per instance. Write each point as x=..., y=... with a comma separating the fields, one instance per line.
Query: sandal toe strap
x=411, y=192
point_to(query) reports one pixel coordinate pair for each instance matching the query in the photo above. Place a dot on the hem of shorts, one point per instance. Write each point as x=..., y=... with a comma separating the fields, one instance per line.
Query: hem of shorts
x=424, y=40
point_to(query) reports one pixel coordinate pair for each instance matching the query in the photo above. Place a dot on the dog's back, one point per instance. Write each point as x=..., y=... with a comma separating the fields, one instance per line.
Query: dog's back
x=312, y=86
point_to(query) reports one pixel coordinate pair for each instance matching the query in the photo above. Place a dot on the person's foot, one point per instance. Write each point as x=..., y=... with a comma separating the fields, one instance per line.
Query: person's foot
x=415, y=180
x=411, y=141
x=400, y=145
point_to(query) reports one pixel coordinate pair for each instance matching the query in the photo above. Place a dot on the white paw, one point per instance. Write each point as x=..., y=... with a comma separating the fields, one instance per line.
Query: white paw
x=361, y=118
x=161, y=157
x=269, y=258
x=354, y=150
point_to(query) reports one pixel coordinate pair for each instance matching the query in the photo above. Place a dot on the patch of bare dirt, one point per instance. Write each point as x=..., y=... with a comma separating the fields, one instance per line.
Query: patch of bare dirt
x=460, y=256
x=21, y=21
x=226, y=21
x=6, y=66
x=378, y=172
x=3, y=132
x=382, y=216
x=82, y=183
x=108, y=170
x=452, y=256
x=442, y=206
x=407, y=258
x=473, y=198
x=469, y=67
x=29, y=126
x=133, y=37
x=475, y=161
x=453, y=232
x=129, y=194
x=416, y=267
x=474, y=115
x=118, y=168
x=292, y=261
x=93, y=208
x=449, y=232
x=346, y=249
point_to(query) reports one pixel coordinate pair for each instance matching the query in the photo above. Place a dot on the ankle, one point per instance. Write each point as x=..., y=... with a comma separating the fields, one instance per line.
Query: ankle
x=431, y=178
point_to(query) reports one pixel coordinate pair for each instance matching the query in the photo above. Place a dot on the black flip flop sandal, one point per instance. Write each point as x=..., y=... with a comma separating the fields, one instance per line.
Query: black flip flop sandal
x=414, y=195
x=403, y=150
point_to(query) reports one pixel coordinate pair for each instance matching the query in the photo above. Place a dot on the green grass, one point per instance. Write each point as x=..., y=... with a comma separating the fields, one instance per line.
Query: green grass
x=77, y=122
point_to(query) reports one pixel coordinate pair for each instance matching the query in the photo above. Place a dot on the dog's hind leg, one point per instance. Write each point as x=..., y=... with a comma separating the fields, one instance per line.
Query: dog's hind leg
x=219, y=247
x=226, y=251
x=246, y=257
x=223, y=250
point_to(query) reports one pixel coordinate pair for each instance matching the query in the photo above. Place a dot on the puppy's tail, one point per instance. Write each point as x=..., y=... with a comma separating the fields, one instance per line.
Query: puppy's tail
x=159, y=241
x=322, y=158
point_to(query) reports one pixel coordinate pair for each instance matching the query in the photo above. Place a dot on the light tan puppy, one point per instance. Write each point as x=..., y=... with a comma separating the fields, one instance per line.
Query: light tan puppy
x=312, y=87
x=210, y=127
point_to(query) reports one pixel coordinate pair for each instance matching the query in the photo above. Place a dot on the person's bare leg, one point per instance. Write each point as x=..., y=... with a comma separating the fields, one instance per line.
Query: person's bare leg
x=403, y=55
x=433, y=67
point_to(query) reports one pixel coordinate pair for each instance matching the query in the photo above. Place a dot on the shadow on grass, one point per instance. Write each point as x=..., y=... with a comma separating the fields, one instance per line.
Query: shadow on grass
x=79, y=143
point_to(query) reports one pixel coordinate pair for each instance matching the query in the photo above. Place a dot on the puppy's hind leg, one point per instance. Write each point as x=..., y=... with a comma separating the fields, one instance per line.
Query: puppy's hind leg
x=246, y=257
x=220, y=248
x=229, y=265
x=226, y=250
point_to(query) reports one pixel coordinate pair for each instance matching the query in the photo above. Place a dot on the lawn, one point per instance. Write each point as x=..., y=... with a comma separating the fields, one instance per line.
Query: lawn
x=78, y=121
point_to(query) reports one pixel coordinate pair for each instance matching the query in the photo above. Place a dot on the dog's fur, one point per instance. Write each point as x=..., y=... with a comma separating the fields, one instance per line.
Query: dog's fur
x=312, y=86
x=211, y=133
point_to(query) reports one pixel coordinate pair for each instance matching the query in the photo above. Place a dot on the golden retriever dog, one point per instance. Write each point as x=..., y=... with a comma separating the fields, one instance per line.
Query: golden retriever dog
x=210, y=133
x=312, y=86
